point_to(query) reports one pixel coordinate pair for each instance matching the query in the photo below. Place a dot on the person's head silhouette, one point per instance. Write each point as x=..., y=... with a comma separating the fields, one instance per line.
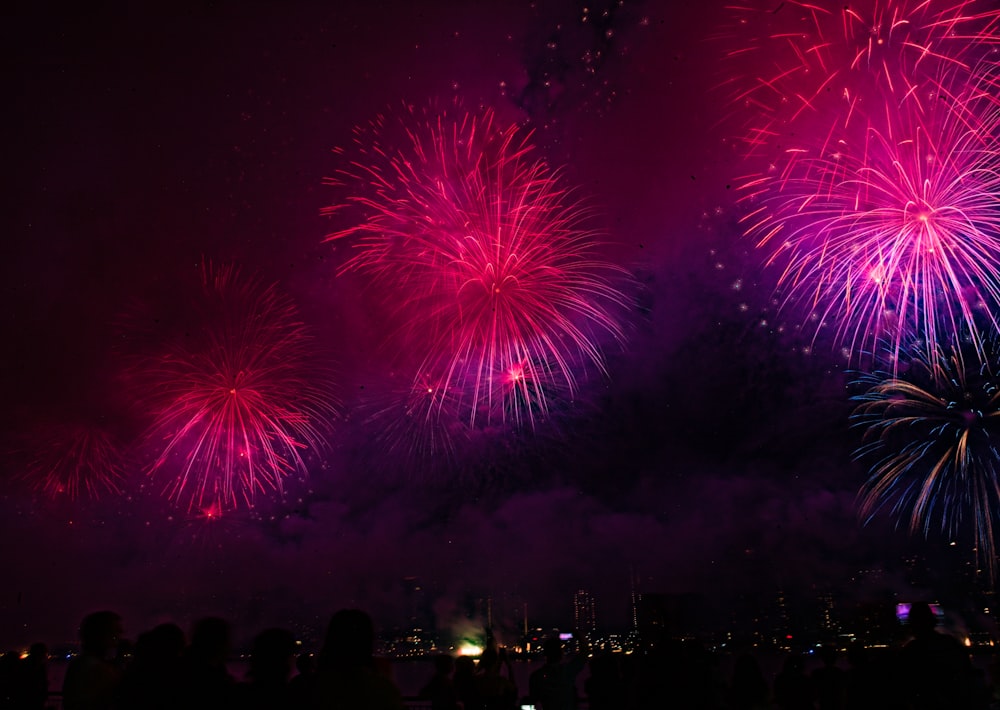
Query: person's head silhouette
x=922, y=619
x=350, y=638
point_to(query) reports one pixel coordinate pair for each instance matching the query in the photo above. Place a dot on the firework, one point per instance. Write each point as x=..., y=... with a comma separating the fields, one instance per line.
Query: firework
x=933, y=436
x=484, y=258
x=417, y=423
x=419, y=430
x=73, y=460
x=898, y=237
x=806, y=71
x=238, y=402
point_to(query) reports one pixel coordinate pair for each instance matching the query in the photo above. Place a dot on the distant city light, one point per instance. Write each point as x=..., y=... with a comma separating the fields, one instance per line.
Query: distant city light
x=470, y=649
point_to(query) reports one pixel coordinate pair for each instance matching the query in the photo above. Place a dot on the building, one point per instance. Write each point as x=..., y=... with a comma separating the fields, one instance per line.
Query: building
x=670, y=616
x=584, y=614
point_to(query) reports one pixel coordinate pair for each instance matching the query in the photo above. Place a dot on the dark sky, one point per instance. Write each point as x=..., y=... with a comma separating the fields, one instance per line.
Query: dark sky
x=141, y=141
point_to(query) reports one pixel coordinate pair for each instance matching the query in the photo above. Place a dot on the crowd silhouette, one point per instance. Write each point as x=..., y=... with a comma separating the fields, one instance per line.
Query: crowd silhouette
x=166, y=670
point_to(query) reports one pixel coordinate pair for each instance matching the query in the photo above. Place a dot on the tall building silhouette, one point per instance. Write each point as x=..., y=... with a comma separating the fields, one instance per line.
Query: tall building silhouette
x=636, y=596
x=584, y=614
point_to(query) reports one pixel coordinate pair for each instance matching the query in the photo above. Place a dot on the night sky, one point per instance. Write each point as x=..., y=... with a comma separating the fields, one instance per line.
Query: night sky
x=715, y=457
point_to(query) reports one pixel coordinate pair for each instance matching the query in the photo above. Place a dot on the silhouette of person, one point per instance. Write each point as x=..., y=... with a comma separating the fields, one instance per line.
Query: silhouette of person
x=207, y=681
x=300, y=687
x=696, y=677
x=92, y=678
x=829, y=682
x=935, y=670
x=491, y=690
x=792, y=689
x=465, y=679
x=553, y=686
x=749, y=689
x=993, y=683
x=28, y=686
x=153, y=679
x=440, y=689
x=348, y=676
x=270, y=669
x=658, y=680
x=9, y=662
x=605, y=685
x=865, y=687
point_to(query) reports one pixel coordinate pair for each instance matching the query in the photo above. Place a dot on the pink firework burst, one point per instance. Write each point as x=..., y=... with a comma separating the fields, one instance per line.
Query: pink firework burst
x=238, y=402
x=808, y=68
x=72, y=460
x=485, y=258
x=898, y=237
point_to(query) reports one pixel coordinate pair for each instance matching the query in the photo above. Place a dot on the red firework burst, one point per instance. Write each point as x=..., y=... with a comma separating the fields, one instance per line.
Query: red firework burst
x=238, y=402
x=72, y=460
x=485, y=258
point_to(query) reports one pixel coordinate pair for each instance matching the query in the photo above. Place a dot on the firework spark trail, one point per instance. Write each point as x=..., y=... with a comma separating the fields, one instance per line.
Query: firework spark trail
x=236, y=408
x=899, y=238
x=484, y=257
x=811, y=70
x=933, y=436
x=418, y=423
x=72, y=460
